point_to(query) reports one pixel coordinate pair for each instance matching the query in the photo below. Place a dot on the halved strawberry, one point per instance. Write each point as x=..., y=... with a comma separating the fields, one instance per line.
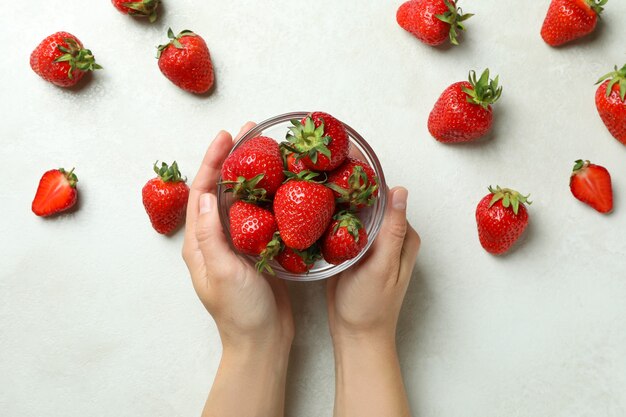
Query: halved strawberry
x=591, y=184
x=56, y=192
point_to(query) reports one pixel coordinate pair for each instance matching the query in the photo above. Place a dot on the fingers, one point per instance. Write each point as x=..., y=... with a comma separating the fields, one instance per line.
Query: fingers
x=244, y=129
x=410, y=249
x=208, y=174
x=390, y=240
x=210, y=235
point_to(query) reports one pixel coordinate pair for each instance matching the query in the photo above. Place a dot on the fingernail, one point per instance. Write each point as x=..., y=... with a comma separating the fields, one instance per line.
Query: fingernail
x=398, y=200
x=206, y=203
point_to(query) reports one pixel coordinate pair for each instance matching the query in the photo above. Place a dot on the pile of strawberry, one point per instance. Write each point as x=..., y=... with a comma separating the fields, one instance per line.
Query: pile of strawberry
x=300, y=201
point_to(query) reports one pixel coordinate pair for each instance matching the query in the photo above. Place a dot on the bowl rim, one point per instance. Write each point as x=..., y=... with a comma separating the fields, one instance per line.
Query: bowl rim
x=381, y=204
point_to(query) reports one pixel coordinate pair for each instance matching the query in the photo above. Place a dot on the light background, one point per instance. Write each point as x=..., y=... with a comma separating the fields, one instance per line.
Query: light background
x=97, y=314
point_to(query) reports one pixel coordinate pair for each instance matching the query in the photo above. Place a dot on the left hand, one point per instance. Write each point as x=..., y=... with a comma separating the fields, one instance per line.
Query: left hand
x=250, y=310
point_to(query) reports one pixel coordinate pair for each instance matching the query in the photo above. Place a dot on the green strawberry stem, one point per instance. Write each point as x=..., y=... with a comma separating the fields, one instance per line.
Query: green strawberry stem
x=617, y=77
x=360, y=191
x=169, y=173
x=174, y=40
x=510, y=198
x=308, y=140
x=484, y=91
x=596, y=5
x=143, y=8
x=72, y=179
x=348, y=220
x=78, y=58
x=272, y=249
x=455, y=18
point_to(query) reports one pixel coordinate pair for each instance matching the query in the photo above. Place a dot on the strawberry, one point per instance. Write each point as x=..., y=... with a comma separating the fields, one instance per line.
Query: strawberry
x=591, y=184
x=463, y=111
x=354, y=183
x=567, y=20
x=320, y=140
x=432, y=21
x=62, y=60
x=56, y=192
x=344, y=239
x=502, y=218
x=185, y=60
x=303, y=210
x=293, y=164
x=255, y=170
x=298, y=262
x=165, y=198
x=141, y=8
x=252, y=227
x=611, y=103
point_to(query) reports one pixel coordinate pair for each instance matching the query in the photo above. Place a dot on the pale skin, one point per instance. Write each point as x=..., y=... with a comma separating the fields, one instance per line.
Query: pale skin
x=254, y=319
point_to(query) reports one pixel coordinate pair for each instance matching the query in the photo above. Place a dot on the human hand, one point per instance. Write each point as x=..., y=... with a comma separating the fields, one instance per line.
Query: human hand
x=365, y=300
x=249, y=309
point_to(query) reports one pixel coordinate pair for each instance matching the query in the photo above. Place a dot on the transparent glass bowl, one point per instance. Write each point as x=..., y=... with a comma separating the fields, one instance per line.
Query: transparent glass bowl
x=372, y=217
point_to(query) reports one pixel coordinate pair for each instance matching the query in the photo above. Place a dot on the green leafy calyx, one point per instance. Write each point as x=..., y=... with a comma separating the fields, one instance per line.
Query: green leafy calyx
x=272, y=249
x=247, y=189
x=146, y=8
x=454, y=17
x=169, y=173
x=580, y=166
x=617, y=77
x=78, y=58
x=304, y=139
x=360, y=192
x=596, y=5
x=305, y=175
x=484, y=91
x=510, y=198
x=350, y=222
x=174, y=40
x=71, y=178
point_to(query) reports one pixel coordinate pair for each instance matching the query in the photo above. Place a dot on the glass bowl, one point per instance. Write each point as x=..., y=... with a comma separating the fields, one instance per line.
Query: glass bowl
x=372, y=217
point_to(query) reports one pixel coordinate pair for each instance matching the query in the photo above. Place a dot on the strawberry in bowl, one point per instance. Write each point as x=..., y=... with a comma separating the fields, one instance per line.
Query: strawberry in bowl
x=320, y=212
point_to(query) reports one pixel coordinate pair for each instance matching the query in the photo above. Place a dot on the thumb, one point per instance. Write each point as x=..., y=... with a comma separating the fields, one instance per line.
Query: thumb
x=209, y=233
x=391, y=237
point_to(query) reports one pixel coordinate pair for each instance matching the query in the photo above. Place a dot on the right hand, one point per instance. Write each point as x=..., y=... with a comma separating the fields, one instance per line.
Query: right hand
x=365, y=300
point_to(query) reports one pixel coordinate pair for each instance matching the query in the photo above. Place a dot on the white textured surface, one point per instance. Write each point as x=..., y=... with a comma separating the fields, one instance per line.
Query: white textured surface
x=97, y=315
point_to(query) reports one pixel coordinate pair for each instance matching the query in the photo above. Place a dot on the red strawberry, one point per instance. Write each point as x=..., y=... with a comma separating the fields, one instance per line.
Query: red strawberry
x=165, y=198
x=320, y=140
x=502, y=218
x=344, y=239
x=303, y=210
x=432, y=21
x=570, y=19
x=255, y=170
x=591, y=184
x=611, y=103
x=56, y=192
x=251, y=227
x=62, y=60
x=146, y=8
x=294, y=164
x=354, y=183
x=298, y=262
x=186, y=62
x=463, y=112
